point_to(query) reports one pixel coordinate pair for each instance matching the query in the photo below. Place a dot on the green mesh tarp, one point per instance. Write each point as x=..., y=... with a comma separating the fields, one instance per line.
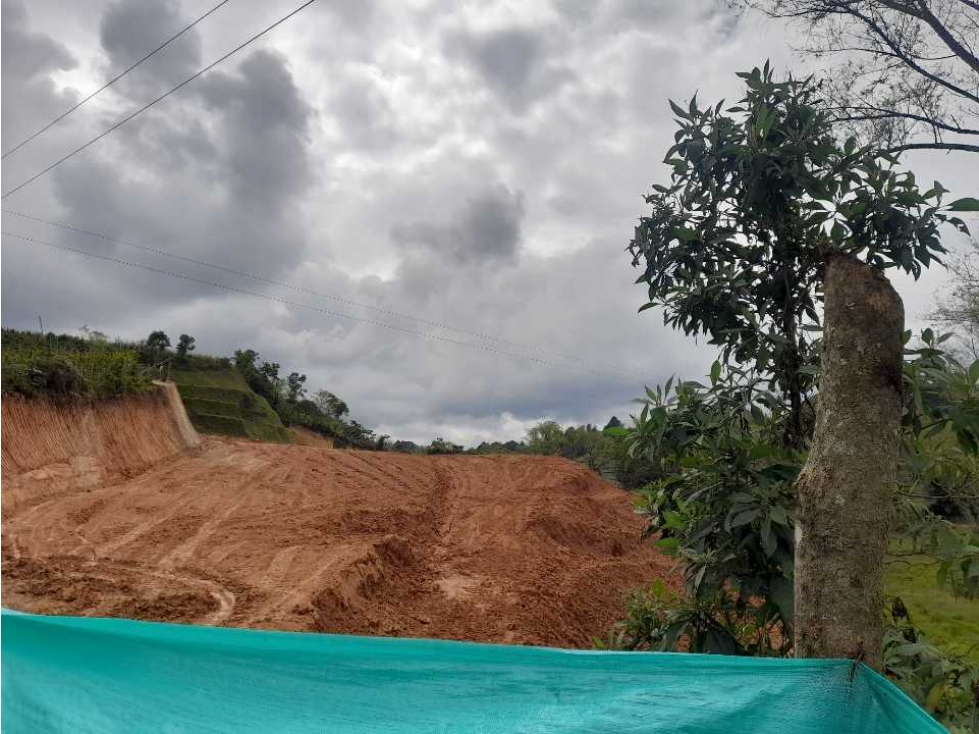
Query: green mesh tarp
x=78, y=675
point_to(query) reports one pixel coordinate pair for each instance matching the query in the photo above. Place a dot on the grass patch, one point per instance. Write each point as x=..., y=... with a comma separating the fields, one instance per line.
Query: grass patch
x=221, y=424
x=220, y=401
x=201, y=406
x=950, y=622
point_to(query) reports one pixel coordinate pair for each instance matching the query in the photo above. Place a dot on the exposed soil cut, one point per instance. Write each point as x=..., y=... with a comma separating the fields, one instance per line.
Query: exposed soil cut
x=499, y=549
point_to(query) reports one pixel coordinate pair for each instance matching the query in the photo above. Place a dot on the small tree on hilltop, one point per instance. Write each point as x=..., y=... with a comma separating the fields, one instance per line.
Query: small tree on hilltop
x=547, y=437
x=158, y=340
x=185, y=344
x=156, y=344
x=294, y=384
x=331, y=404
x=767, y=215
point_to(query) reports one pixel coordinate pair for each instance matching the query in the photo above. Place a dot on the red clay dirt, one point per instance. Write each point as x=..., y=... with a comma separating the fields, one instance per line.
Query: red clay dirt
x=516, y=549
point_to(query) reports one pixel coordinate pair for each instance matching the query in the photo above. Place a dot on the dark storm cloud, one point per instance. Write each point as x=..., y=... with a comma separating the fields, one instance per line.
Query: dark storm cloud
x=217, y=179
x=264, y=131
x=516, y=63
x=487, y=227
x=29, y=95
x=131, y=28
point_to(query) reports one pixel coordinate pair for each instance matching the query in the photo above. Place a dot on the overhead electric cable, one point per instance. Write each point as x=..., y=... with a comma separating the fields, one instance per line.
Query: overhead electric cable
x=145, y=107
x=112, y=81
x=295, y=304
x=310, y=291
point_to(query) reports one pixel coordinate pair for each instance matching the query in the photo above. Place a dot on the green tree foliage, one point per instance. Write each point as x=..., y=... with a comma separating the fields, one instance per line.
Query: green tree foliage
x=406, y=447
x=331, y=404
x=500, y=447
x=547, y=437
x=760, y=194
x=158, y=342
x=326, y=415
x=185, y=344
x=246, y=360
x=441, y=446
x=601, y=451
x=294, y=385
x=63, y=366
x=724, y=505
x=262, y=377
x=660, y=620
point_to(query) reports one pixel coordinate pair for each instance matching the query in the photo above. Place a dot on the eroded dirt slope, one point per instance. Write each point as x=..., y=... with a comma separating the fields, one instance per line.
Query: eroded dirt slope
x=502, y=549
x=49, y=447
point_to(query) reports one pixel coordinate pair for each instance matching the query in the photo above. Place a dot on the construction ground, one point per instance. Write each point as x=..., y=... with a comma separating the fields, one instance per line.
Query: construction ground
x=120, y=509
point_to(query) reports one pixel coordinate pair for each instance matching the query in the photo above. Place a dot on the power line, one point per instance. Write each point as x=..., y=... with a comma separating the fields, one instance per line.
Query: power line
x=310, y=291
x=145, y=107
x=112, y=81
x=295, y=304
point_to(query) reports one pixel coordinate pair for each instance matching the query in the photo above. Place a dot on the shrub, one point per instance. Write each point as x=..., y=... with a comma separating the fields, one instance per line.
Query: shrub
x=102, y=373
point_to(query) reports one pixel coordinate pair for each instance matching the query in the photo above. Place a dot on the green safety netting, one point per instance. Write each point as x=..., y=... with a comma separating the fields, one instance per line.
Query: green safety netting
x=82, y=675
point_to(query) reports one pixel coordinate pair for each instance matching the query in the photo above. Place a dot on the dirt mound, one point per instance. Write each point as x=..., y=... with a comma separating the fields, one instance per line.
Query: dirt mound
x=500, y=549
x=50, y=447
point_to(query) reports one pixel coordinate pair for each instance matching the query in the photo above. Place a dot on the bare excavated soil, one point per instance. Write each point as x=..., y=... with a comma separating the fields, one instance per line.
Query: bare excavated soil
x=499, y=549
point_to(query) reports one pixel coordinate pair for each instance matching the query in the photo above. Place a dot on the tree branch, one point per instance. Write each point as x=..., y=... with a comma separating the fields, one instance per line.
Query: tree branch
x=882, y=34
x=886, y=114
x=949, y=40
x=963, y=147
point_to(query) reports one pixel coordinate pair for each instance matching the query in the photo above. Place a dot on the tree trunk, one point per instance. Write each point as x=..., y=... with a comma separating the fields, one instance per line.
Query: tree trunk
x=843, y=490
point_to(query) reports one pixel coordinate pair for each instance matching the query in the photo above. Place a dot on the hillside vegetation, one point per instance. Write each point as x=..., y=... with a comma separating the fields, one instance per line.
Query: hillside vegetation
x=241, y=396
x=220, y=401
x=60, y=366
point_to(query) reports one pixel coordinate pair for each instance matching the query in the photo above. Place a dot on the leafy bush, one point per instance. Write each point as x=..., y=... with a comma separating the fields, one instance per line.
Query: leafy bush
x=947, y=686
x=441, y=446
x=725, y=506
x=661, y=620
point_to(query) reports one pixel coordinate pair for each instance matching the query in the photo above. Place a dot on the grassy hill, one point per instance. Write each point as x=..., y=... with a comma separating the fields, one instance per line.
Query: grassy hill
x=220, y=401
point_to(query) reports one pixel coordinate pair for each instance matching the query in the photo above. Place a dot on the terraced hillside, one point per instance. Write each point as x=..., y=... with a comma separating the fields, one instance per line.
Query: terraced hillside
x=220, y=401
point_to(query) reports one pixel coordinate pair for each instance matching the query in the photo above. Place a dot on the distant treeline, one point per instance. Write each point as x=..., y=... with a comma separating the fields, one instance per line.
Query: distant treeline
x=587, y=444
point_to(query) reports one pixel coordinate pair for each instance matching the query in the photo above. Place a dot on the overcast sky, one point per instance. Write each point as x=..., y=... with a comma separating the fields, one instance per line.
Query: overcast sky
x=473, y=171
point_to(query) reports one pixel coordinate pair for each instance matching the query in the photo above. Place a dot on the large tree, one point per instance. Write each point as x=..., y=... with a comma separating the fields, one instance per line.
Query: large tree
x=767, y=214
x=904, y=73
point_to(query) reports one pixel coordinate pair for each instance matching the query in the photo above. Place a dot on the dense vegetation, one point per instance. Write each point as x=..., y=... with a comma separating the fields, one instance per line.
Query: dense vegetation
x=219, y=401
x=59, y=366
x=590, y=445
x=241, y=396
x=762, y=193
